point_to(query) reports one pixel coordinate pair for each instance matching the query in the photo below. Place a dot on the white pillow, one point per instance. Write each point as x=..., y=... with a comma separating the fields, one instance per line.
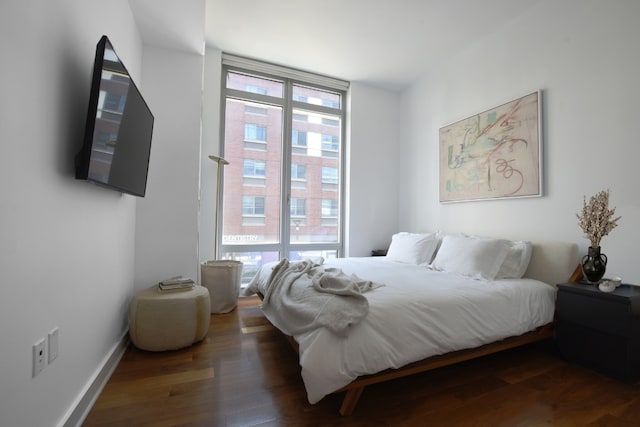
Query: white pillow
x=476, y=257
x=413, y=248
x=516, y=262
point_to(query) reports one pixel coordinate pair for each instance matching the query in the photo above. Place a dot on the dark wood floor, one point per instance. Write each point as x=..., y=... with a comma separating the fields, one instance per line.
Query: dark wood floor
x=246, y=374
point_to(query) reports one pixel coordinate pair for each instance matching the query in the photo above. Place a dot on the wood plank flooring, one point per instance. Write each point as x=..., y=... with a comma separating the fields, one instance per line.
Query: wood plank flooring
x=245, y=374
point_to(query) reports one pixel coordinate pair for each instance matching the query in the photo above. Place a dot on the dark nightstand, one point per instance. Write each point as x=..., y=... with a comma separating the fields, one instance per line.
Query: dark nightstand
x=600, y=330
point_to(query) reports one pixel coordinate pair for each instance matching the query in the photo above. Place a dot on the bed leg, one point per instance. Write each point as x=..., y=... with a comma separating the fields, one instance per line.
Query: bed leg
x=577, y=274
x=351, y=400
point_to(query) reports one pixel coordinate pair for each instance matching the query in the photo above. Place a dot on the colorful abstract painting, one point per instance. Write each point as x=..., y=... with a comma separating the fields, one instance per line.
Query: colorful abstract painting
x=494, y=154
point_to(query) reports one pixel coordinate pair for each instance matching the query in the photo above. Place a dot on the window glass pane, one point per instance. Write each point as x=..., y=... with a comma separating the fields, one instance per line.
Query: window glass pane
x=253, y=209
x=320, y=221
x=253, y=84
x=251, y=198
x=320, y=157
x=300, y=255
x=315, y=96
x=318, y=135
x=251, y=262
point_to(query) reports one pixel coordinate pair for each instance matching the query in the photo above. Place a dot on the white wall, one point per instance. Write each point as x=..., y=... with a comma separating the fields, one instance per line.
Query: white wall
x=66, y=246
x=372, y=171
x=167, y=218
x=584, y=56
x=210, y=145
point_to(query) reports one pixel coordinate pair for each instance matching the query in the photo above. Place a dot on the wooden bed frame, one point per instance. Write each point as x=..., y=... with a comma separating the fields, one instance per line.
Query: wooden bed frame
x=354, y=390
x=356, y=387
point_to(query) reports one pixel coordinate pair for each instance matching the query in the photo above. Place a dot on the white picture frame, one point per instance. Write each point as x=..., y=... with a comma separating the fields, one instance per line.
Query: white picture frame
x=494, y=154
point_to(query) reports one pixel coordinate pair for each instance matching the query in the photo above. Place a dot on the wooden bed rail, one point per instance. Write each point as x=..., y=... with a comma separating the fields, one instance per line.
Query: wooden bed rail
x=355, y=388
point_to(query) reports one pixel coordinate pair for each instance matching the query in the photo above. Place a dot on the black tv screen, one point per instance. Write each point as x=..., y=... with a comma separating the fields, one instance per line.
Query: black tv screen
x=117, y=140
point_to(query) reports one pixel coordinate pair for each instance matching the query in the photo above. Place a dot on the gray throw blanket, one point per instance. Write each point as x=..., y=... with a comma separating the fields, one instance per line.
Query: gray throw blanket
x=301, y=296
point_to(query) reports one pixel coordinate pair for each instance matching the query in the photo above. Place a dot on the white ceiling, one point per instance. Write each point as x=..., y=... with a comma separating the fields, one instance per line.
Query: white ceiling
x=385, y=43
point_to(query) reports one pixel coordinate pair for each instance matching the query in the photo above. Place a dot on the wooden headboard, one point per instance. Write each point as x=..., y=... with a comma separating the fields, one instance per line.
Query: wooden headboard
x=553, y=262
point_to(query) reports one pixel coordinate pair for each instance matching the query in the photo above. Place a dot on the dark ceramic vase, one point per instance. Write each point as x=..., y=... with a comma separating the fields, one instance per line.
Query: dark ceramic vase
x=594, y=264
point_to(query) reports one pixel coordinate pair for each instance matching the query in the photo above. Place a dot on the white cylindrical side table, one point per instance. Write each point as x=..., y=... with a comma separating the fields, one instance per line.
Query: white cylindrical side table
x=222, y=278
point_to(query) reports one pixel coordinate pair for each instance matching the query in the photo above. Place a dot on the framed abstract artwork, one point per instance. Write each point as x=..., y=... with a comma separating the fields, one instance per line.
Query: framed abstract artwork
x=494, y=154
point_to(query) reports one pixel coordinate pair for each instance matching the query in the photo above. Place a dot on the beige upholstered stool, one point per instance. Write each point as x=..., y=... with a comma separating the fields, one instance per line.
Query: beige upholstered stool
x=161, y=321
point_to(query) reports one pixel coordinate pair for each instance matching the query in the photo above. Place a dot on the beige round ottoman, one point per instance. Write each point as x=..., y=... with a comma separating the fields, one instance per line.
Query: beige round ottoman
x=161, y=321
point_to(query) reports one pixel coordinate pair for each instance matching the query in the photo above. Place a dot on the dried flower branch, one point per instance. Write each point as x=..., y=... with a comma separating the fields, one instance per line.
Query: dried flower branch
x=596, y=218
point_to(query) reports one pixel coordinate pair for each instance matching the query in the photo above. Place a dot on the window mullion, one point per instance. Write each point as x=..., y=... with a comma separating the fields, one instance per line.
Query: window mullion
x=287, y=131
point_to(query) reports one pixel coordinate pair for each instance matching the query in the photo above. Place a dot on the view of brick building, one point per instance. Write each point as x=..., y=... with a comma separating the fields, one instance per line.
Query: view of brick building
x=255, y=183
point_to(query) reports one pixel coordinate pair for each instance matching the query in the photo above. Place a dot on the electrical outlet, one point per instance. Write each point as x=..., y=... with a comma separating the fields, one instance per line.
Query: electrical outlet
x=39, y=360
x=53, y=344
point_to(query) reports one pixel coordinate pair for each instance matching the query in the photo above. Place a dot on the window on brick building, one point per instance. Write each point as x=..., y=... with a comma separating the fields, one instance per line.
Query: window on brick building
x=254, y=168
x=282, y=191
x=255, y=132
x=297, y=207
x=252, y=206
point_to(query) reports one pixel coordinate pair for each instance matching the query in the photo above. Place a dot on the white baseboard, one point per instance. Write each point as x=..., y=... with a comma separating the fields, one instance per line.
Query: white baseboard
x=85, y=401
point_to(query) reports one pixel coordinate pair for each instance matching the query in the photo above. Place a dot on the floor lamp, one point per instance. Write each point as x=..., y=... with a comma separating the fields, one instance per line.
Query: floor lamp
x=220, y=162
x=221, y=277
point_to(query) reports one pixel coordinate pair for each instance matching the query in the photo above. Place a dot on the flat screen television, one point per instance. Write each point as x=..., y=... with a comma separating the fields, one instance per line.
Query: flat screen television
x=117, y=140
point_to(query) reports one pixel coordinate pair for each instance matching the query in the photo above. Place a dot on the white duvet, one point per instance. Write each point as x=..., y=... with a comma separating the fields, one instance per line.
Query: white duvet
x=418, y=313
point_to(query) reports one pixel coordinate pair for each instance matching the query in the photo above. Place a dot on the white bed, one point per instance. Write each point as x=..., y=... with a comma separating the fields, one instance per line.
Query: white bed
x=419, y=313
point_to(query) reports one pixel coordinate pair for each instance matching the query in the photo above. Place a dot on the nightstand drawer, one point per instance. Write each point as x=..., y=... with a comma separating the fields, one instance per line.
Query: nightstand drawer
x=606, y=353
x=608, y=316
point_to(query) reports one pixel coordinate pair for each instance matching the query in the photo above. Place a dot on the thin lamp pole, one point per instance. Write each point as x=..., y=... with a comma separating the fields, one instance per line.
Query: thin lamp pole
x=220, y=162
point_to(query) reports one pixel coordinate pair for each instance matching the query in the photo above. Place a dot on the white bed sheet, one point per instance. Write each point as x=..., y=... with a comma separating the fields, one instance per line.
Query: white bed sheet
x=418, y=313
